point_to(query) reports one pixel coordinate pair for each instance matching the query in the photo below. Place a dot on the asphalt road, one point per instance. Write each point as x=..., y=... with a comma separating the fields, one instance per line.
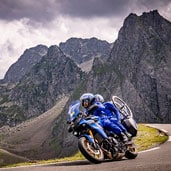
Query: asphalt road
x=157, y=159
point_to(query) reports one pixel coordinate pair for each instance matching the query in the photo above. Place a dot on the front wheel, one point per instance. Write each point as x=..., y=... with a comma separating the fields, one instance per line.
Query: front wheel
x=91, y=153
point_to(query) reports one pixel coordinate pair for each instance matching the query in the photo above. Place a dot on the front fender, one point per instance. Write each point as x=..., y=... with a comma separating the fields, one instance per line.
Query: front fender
x=99, y=129
x=94, y=126
x=89, y=137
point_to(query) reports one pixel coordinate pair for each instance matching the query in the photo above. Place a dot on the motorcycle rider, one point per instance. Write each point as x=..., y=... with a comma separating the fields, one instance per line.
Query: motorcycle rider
x=112, y=113
x=88, y=101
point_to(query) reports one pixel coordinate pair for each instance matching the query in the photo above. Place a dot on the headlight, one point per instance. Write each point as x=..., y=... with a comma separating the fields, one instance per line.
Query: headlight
x=75, y=133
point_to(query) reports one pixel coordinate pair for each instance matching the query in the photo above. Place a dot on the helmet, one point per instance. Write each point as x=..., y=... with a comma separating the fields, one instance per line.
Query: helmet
x=87, y=99
x=99, y=98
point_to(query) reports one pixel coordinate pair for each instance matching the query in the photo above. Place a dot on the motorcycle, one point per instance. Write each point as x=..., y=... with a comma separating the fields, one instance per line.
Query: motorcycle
x=96, y=144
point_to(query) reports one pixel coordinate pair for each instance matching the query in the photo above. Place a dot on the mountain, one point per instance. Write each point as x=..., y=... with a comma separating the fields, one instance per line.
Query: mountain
x=139, y=68
x=142, y=60
x=27, y=98
x=51, y=78
x=32, y=138
x=82, y=51
x=25, y=63
x=85, y=50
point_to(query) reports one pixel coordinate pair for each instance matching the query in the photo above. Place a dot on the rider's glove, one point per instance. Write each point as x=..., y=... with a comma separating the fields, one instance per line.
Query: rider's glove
x=71, y=128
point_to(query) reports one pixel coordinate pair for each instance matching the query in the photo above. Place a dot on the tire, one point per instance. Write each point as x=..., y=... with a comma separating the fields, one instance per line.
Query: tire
x=131, y=152
x=119, y=157
x=89, y=152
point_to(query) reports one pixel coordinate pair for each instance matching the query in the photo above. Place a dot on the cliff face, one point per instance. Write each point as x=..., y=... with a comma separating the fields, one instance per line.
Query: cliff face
x=142, y=55
x=139, y=67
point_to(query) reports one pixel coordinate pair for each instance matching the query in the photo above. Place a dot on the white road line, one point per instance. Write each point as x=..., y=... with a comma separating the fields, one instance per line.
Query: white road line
x=166, y=132
x=155, y=148
x=169, y=139
x=163, y=130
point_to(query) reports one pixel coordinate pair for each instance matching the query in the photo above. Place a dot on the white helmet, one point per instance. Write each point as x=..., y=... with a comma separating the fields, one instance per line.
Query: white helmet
x=89, y=98
x=99, y=98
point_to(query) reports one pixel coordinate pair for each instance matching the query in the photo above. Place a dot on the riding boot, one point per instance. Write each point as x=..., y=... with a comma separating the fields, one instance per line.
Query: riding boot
x=128, y=135
x=123, y=137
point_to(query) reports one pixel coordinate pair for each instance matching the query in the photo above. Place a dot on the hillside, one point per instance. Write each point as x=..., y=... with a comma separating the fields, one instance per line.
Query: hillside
x=33, y=138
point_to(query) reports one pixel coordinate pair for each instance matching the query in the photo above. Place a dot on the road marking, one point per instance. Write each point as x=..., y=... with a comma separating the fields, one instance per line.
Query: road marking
x=169, y=139
x=155, y=148
x=163, y=130
x=166, y=132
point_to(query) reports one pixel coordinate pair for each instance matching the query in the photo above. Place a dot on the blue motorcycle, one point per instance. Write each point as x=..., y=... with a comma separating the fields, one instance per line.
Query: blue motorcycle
x=94, y=142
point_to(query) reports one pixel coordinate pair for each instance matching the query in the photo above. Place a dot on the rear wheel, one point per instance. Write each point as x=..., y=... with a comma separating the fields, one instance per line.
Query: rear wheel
x=131, y=152
x=91, y=153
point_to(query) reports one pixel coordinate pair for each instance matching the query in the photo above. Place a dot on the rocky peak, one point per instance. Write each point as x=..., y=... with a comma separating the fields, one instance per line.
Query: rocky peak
x=25, y=63
x=82, y=50
x=149, y=23
x=54, y=51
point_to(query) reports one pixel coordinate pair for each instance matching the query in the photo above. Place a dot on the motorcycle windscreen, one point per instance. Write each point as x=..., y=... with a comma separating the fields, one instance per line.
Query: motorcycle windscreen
x=73, y=110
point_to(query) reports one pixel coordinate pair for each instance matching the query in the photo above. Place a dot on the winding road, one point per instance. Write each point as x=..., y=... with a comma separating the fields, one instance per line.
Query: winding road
x=157, y=159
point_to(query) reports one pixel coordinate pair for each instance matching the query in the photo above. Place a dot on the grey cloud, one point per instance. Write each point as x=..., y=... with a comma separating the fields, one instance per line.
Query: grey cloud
x=94, y=8
x=108, y=8
x=41, y=10
x=47, y=10
x=9, y=46
x=153, y=3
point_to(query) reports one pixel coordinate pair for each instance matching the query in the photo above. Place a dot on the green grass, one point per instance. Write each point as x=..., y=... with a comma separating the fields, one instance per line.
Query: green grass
x=147, y=138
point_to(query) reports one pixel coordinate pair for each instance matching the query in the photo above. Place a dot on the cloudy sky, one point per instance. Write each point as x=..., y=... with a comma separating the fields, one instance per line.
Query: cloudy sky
x=27, y=23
